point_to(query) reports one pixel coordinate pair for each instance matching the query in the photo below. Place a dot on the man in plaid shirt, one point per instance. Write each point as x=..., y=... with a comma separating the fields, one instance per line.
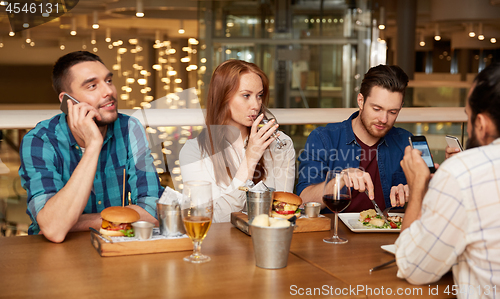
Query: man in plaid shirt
x=452, y=220
x=72, y=166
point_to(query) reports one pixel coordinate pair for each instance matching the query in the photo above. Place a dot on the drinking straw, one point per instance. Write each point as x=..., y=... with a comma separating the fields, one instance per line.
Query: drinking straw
x=123, y=197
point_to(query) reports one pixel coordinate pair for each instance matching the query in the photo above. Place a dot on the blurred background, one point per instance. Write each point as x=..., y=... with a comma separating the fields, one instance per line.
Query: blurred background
x=315, y=53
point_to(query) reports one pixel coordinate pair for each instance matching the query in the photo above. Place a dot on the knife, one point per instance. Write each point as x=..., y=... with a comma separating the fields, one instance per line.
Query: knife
x=95, y=231
x=379, y=211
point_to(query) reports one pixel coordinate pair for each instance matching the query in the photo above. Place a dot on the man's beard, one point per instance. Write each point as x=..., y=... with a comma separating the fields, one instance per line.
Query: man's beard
x=102, y=123
x=370, y=130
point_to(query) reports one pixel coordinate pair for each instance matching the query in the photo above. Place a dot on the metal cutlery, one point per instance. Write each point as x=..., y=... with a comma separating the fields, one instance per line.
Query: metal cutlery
x=382, y=265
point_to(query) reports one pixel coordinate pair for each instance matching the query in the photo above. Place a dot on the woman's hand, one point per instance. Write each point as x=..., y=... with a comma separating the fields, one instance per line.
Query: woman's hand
x=260, y=139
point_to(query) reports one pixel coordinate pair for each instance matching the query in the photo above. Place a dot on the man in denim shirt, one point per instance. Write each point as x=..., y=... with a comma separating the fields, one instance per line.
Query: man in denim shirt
x=73, y=165
x=366, y=144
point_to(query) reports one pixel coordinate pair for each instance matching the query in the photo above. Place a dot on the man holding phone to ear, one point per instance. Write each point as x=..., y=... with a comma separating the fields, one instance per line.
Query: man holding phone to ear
x=452, y=220
x=72, y=165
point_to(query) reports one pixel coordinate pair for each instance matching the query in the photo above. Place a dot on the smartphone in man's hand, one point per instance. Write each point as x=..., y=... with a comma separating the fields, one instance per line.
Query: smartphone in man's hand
x=420, y=143
x=64, y=102
x=453, y=142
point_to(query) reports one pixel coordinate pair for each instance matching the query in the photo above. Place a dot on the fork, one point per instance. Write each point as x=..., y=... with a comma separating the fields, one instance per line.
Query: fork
x=386, y=212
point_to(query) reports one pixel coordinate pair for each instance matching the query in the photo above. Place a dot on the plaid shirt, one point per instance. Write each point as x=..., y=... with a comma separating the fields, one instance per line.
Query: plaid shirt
x=459, y=227
x=50, y=154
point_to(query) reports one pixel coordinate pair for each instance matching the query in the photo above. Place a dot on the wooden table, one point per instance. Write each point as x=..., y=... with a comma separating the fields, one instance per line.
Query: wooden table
x=350, y=263
x=32, y=267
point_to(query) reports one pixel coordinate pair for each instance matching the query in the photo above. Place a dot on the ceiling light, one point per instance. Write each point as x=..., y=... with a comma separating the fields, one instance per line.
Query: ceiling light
x=471, y=30
x=108, y=35
x=95, y=24
x=422, y=40
x=480, y=35
x=493, y=40
x=139, y=9
x=73, y=26
x=381, y=19
x=437, y=33
x=181, y=28
x=12, y=33
x=157, y=37
x=28, y=36
x=92, y=38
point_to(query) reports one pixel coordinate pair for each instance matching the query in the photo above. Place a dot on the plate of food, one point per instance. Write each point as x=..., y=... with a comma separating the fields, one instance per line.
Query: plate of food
x=369, y=222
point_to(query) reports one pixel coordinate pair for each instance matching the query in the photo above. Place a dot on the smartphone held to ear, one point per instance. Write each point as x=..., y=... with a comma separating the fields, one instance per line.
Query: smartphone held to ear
x=453, y=142
x=420, y=143
x=64, y=102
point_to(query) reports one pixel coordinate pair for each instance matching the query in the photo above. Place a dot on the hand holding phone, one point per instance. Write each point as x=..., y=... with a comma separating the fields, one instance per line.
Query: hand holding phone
x=64, y=102
x=453, y=142
x=420, y=143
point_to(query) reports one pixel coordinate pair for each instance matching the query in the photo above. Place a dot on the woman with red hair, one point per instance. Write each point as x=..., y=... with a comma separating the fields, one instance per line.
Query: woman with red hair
x=232, y=148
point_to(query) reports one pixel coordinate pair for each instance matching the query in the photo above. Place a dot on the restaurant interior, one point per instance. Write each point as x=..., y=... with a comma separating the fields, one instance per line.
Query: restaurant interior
x=315, y=52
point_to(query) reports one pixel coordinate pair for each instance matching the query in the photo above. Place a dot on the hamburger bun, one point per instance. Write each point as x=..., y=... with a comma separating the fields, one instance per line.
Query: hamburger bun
x=287, y=197
x=112, y=233
x=120, y=215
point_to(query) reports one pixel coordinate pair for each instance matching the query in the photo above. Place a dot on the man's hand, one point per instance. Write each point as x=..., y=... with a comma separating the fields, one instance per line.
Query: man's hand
x=399, y=195
x=417, y=175
x=81, y=122
x=450, y=151
x=361, y=181
x=416, y=171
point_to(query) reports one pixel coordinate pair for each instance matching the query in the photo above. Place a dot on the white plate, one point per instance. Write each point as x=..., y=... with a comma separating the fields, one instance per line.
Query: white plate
x=389, y=248
x=351, y=220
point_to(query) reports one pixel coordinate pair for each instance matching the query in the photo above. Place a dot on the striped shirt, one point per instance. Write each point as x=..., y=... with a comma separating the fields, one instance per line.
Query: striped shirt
x=459, y=227
x=49, y=155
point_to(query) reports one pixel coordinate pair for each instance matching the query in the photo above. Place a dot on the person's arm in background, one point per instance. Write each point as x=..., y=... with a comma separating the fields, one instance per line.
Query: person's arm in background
x=142, y=176
x=312, y=169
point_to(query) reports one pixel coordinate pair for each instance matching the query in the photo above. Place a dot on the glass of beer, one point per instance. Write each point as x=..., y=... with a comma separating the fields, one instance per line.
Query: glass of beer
x=197, y=211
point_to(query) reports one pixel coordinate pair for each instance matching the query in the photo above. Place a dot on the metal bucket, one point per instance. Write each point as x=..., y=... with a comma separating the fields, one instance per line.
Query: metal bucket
x=169, y=217
x=259, y=203
x=271, y=246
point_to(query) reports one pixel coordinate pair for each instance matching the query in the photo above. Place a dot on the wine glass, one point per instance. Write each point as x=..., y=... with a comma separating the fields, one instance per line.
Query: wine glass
x=337, y=197
x=197, y=211
x=268, y=116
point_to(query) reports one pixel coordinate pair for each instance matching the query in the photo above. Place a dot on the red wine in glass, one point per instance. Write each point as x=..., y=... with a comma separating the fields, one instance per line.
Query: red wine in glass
x=337, y=205
x=337, y=197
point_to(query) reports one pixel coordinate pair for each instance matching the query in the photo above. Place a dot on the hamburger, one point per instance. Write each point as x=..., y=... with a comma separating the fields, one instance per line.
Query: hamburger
x=117, y=219
x=285, y=205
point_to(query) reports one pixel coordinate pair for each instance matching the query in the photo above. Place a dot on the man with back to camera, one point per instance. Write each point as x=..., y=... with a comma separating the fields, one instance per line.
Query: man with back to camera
x=72, y=165
x=366, y=144
x=452, y=221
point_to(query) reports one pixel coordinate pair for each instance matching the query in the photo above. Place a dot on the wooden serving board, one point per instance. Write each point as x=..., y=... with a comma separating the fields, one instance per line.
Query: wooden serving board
x=105, y=248
x=302, y=225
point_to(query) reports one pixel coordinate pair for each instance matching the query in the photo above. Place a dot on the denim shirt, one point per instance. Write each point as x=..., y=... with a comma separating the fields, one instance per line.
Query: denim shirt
x=334, y=147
